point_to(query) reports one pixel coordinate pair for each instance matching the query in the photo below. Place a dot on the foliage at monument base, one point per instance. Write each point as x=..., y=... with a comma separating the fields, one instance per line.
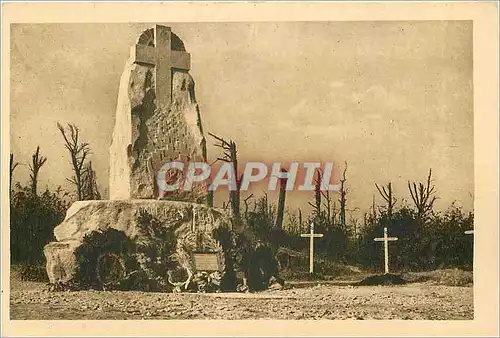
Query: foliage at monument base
x=109, y=260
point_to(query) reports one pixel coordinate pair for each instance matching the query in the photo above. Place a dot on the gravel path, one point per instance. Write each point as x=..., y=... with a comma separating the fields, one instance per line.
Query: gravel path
x=413, y=301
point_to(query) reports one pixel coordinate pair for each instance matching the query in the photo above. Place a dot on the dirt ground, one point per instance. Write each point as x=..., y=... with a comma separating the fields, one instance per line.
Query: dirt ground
x=30, y=300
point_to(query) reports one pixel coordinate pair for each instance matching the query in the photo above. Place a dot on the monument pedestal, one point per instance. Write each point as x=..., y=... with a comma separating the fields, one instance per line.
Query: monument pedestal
x=192, y=224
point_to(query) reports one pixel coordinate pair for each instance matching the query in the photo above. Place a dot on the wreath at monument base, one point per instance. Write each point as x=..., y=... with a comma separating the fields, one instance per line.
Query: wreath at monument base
x=103, y=259
x=208, y=281
x=110, y=270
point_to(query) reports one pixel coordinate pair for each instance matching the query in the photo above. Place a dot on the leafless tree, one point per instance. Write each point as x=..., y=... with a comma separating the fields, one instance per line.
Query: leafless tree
x=300, y=219
x=423, y=197
x=370, y=217
x=343, y=197
x=292, y=224
x=79, y=151
x=374, y=209
x=325, y=194
x=90, y=187
x=37, y=161
x=327, y=203
x=13, y=166
x=355, y=226
x=317, y=194
x=387, y=195
x=230, y=155
x=334, y=213
x=245, y=201
x=281, y=202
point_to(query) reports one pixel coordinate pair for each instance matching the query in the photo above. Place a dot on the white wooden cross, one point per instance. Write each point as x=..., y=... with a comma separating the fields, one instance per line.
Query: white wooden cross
x=469, y=232
x=386, y=241
x=164, y=59
x=311, y=236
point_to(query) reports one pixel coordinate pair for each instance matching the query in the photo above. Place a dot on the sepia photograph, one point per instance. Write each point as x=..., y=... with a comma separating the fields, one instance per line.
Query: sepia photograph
x=242, y=170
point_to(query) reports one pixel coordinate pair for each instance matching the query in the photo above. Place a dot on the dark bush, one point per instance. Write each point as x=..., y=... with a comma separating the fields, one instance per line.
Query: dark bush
x=33, y=273
x=437, y=243
x=32, y=222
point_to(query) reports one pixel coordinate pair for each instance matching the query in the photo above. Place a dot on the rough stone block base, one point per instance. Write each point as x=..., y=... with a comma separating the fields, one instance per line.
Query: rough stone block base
x=192, y=224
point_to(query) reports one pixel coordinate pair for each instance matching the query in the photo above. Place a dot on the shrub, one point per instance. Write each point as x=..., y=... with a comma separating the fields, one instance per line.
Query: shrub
x=439, y=242
x=32, y=222
x=33, y=273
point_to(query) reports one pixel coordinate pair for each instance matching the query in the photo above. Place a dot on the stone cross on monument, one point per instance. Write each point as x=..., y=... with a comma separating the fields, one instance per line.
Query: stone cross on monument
x=157, y=119
x=311, y=236
x=386, y=241
x=164, y=59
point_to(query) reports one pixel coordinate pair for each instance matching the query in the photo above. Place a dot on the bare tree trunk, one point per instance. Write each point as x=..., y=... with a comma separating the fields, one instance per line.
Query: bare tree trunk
x=343, y=198
x=37, y=163
x=374, y=210
x=317, y=195
x=328, y=205
x=13, y=165
x=230, y=155
x=423, y=198
x=78, y=153
x=387, y=195
x=90, y=187
x=300, y=219
x=281, y=202
x=235, y=194
x=334, y=213
x=246, y=205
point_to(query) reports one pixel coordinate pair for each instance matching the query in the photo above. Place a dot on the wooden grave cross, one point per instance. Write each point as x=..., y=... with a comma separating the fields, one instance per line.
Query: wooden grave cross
x=386, y=241
x=311, y=236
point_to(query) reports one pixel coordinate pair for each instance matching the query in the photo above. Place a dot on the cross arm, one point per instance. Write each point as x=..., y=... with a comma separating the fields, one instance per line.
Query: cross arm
x=181, y=60
x=388, y=238
x=143, y=54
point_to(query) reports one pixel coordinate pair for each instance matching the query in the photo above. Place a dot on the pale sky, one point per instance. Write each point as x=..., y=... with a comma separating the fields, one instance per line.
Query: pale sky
x=393, y=99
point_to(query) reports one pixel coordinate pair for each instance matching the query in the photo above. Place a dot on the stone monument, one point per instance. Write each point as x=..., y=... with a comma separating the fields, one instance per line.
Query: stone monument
x=157, y=117
x=157, y=120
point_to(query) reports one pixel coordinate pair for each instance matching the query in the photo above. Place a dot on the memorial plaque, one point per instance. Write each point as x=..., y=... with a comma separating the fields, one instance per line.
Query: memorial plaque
x=206, y=261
